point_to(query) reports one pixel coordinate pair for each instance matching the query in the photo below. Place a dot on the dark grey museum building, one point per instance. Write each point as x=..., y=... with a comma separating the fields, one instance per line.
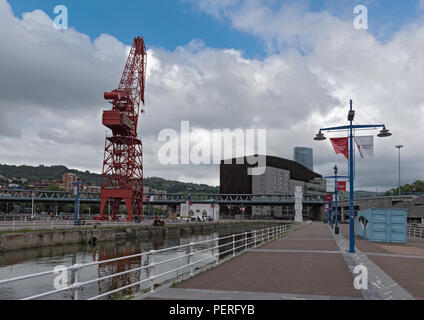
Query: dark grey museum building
x=280, y=177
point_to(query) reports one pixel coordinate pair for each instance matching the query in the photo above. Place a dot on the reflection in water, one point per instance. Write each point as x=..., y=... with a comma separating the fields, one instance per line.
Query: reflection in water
x=108, y=268
x=24, y=262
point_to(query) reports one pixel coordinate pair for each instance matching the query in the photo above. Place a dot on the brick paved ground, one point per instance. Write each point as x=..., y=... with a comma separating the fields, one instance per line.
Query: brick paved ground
x=305, y=264
x=406, y=271
x=306, y=272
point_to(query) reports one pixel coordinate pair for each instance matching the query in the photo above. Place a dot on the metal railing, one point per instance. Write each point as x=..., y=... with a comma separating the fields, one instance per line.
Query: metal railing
x=233, y=244
x=416, y=232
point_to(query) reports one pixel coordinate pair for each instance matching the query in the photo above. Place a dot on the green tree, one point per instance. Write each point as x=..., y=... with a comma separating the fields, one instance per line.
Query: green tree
x=54, y=187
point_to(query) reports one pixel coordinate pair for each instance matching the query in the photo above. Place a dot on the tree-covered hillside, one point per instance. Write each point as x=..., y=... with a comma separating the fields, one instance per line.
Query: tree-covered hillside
x=416, y=187
x=55, y=173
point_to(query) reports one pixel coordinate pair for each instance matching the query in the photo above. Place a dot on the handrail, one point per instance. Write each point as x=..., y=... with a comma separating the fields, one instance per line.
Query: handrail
x=415, y=232
x=243, y=242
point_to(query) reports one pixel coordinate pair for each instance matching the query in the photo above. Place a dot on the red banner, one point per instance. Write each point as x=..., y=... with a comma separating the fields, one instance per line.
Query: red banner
x=341, y=145
x=328, y=197
x=341, y=185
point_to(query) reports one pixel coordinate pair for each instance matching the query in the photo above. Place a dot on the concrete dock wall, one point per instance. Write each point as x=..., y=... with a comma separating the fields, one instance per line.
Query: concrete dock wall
x=16, y=241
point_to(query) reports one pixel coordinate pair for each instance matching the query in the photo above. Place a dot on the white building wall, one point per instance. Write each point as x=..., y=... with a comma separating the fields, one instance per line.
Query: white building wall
x=200, y=210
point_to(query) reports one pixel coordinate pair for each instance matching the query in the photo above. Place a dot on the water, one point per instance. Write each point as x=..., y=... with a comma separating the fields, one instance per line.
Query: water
x=24, y=262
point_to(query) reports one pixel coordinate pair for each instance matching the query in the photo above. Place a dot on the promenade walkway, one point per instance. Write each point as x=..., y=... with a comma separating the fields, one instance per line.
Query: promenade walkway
x=310, y=263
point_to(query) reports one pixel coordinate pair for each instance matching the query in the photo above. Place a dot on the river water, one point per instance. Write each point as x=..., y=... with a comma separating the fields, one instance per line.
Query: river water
x=24, y=262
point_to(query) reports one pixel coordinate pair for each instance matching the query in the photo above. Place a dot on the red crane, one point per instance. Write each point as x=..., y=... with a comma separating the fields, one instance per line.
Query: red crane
x=122, y=176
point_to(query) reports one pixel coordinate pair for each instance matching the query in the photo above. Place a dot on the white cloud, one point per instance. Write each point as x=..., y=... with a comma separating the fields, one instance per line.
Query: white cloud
x=54, y=82
x=420, y=5
x=383, y=79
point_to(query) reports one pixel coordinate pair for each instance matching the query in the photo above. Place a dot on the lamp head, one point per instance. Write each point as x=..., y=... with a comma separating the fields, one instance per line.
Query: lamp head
x=384, y=133
x=335, y=169
x=320, y=136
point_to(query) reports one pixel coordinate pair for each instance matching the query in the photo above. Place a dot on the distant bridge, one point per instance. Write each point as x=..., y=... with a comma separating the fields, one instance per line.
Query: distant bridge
x=414, y=203
x=18, y=195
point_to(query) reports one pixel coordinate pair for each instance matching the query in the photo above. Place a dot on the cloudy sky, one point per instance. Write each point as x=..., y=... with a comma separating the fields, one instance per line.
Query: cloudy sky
x=289, y=67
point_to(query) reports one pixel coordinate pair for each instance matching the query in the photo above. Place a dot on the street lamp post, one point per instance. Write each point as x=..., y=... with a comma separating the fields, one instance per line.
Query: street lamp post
x=336, y=195
x=32, y=210
x=148, y=210
x=399, y=147
x=76, y=202
x=320, y=136
x=330, y=221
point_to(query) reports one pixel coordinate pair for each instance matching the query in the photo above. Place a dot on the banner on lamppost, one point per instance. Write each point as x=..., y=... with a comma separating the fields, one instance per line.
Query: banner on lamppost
x=328, y=197
x=365, y=146
x=341, y=185
x=341, y=146
x=298, y=207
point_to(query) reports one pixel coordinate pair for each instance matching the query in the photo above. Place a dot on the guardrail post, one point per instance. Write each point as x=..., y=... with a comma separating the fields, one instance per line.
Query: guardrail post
x=268, y=235
x=245, y=241
x=234, y=245
x=217, y=248
x=254, y=237
x=151, y=267
x=75, y=269
x=190, y=258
